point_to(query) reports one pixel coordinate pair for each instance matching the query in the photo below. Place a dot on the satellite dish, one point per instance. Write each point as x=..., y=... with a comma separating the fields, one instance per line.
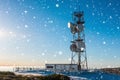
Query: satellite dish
x=73, y=27
x=81, y=28
x=69, y=24
x=78, y=46
x=73, y=47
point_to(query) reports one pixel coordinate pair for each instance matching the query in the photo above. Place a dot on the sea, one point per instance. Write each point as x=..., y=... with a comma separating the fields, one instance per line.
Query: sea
x=7, y=68
x=12, y=68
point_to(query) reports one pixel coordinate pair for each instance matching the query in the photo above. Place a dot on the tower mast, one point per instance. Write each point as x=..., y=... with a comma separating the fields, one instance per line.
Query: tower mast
x=78, y=46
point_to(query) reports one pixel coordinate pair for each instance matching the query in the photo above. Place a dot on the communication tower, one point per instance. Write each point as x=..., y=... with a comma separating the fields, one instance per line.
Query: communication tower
x=78, y=46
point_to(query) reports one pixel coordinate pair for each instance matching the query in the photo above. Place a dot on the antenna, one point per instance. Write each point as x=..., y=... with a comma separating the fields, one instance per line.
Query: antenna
x=78, y=47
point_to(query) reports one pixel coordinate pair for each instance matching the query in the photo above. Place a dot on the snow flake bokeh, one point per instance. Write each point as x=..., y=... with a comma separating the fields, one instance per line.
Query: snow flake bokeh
x=37, y=31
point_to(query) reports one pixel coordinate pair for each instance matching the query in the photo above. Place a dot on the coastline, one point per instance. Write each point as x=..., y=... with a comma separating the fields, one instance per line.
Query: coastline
x=13, y=76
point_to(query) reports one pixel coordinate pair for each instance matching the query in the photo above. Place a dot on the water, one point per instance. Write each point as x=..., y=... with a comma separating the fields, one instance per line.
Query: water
x=96, y=75
x=12, y=68
x=7, y=68
x=86, y=75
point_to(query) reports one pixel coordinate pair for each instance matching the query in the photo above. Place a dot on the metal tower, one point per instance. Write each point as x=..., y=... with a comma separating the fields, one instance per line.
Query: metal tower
x=78, y=46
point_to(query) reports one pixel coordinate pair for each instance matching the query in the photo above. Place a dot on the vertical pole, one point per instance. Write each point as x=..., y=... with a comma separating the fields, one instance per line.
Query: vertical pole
x=79, y=54
x=79, y=61
x=86, y=60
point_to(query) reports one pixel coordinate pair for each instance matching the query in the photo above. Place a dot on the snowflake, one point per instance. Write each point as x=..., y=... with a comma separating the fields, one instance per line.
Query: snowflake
x=50, y=21
x=57, y=5
x=64, y=38
x=31, y=7
x=110, y=17
x=18, y=27
x=93, y=14
x=109, y=4
x=13, y=35
x=43, y=54
x=103, y=22
x=22, y=54
x=115, y=56
x=34, y=17
x=60, y=52
x=75, y=8
x=70, y=7
x=101, y=77
x=24, y=36
x=62, y=1
x=87, y=5
x=43, y=7
x=46, y=61
x=17, y=47
x=26, y=26
x=101, y=14
x=104, y=42
x=54, y=55
x=10, y=32
x=98, y=33
x=116, y=15
x=6, y=12
x=25, y=12
x=89, y=41
x=48, y=7
x=112, y=43
x=69, y=59
x=28, y=40
x=118, y=27
x=45, y=25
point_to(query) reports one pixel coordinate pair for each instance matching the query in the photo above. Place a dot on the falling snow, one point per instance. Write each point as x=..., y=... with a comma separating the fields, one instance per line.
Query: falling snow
x=103, y=22
x=93, y=14
x=34, y=17
x=60, y=53
x=43, y=54
x=50, y=21
x=98, y=33
x=26, y=26
x=40, y=28
x=87, y=5
x=57, y=5
x=110, y=17
x=104, y=42
x=25, y=12
x=118, y=27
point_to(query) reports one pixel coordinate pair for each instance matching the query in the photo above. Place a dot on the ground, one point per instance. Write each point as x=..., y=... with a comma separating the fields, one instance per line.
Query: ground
x=12, y=76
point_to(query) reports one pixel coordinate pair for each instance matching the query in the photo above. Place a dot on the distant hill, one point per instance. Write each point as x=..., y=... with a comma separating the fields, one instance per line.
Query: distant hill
x=112, y=70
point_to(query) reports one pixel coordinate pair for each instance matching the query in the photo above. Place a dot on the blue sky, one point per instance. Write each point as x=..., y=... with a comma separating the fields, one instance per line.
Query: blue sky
x=35, y=32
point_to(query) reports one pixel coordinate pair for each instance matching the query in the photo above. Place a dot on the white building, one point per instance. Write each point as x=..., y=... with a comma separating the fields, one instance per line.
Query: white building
x=62, y=67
